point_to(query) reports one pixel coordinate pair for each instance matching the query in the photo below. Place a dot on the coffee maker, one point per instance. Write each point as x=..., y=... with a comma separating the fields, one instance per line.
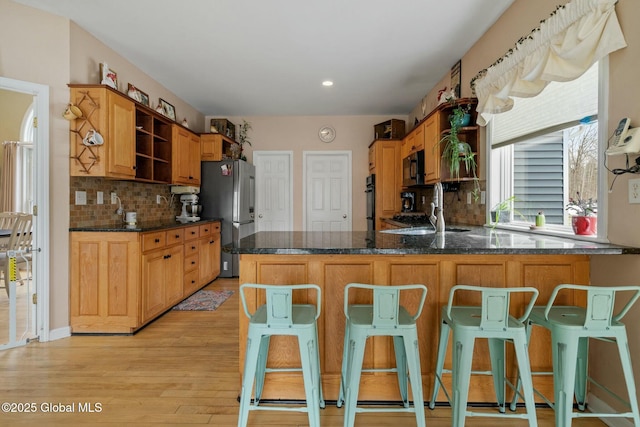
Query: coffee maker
x=408, y=201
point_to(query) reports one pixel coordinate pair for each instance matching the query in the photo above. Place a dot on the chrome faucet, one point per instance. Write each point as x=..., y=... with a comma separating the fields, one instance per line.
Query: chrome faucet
x=437, y=207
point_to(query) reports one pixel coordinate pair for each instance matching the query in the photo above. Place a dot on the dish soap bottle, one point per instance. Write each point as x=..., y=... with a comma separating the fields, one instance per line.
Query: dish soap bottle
x=540, y=219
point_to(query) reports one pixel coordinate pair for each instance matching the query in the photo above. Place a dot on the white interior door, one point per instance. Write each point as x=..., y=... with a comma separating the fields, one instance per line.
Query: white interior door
x=21, y=318
x=274, y=190
x=327, y=190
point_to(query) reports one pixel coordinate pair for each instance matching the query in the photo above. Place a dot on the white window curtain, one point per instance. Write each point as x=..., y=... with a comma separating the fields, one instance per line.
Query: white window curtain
x=562, y=48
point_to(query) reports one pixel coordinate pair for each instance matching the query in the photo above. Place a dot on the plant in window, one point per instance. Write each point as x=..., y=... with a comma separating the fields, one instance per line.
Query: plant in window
x=457, y=152
x=581, y=207
x=583, y=215
x=501, y=212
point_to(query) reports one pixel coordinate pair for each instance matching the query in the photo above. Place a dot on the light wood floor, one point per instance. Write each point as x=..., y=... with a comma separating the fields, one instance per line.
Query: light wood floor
x=181, y=369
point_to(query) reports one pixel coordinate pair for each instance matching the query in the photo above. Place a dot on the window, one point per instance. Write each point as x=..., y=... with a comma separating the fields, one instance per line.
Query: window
x=545, y=151
x=24, y=190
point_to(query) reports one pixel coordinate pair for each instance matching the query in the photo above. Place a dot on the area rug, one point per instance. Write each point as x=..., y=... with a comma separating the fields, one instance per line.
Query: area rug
x=204, y=301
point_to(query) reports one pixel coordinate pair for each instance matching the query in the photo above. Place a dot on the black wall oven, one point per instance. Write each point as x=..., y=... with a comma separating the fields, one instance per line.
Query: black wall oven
x=371, y=202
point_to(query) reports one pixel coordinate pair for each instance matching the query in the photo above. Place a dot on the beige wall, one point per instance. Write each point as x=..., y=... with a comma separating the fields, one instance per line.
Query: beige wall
x=624, y=92
x=87, y=53
x=35, y=48
x=300, y=133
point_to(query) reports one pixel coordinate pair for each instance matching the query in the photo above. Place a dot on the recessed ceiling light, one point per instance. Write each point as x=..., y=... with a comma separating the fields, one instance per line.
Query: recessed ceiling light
x=327, y=83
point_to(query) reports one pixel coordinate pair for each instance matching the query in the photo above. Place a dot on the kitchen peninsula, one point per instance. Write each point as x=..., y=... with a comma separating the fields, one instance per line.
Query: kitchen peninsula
x=479, y=256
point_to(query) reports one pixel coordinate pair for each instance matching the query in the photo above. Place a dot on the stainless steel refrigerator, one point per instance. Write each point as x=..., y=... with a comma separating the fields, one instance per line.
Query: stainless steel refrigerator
x=227, y=191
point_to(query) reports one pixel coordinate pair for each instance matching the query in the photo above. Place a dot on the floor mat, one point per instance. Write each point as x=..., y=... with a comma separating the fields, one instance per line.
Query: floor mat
x=204, y=301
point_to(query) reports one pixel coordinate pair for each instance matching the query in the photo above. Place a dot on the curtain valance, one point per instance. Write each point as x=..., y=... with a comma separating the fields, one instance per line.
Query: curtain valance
x=562, y=48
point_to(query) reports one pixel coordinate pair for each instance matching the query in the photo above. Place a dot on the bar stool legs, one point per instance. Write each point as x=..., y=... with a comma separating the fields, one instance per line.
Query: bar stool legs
x=571, y=328
x=491, y=321
x=280, y=317
x=385, y=317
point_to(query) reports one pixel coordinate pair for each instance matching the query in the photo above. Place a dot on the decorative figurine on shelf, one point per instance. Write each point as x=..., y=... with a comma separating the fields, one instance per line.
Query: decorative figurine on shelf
x=185, y=123
x=445, y=95
x=159, y=109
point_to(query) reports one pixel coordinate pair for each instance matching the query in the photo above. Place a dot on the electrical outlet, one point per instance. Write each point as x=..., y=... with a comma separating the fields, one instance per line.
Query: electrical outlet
x=100, y=198
x=114, y=198
x=81, y=197
x=158, y=199
x=468, y=197
x=634, y=191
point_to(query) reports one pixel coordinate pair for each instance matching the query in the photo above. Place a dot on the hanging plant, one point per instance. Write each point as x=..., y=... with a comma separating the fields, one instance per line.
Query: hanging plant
x=456, y=152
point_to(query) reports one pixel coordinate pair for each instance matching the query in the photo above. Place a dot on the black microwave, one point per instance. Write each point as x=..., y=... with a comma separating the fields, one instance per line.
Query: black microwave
x=413, y=169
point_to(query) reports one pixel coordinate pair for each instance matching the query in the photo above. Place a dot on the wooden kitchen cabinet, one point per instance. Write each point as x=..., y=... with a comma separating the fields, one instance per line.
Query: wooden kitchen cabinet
x=185, y=157
x=162, y=280
x=153, y=146
x=191, y=260
x=209, y=252
x=432, y=149
x=215, y=146
x=413, y=142
x=122, y=280
x=105, y=282
x=111, y=115
x=386, y=155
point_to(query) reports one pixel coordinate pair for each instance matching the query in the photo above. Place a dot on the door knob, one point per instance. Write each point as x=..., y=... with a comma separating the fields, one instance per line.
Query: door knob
x=344, y=216
x=259, y=215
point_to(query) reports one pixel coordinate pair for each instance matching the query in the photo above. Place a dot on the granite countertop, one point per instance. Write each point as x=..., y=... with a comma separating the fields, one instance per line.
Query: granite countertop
x=477, y=240
x=144, y=226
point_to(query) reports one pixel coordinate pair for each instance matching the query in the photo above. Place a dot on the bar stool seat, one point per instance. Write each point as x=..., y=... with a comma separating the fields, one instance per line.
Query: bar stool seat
x=280, y=317
x=385, y=317
x=571, y=327
x=492, y=321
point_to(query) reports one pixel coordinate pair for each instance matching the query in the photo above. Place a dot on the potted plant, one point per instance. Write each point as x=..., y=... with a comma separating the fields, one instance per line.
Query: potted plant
x=456, y=152
x=583, y=215
x=501, y=212
x=243, y=137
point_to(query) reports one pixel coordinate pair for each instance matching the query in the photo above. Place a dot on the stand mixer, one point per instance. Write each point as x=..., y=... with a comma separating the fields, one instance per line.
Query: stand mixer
x=190, y=208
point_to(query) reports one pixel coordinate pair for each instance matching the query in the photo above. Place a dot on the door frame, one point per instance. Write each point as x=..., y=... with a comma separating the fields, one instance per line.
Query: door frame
x=306, y=155
x=40, y=95
x=289, y=155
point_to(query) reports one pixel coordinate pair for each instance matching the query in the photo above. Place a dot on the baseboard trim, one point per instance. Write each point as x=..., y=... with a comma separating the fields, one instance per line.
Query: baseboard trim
x=598, y=405
x=60, y=333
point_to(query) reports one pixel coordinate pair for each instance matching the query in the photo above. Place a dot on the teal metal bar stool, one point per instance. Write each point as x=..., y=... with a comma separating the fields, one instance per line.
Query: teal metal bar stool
x=279, y=316
x=571, y=327
x=385, y=317
x=492, y=321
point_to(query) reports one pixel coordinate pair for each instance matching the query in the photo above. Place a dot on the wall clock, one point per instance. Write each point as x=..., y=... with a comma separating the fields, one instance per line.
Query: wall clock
x=327, y=134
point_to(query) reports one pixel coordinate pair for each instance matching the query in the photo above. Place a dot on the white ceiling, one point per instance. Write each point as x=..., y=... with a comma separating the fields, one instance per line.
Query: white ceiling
x=252, y=57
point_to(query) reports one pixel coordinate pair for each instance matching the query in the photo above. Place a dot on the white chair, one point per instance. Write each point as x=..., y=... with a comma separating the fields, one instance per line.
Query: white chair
x=19, y=241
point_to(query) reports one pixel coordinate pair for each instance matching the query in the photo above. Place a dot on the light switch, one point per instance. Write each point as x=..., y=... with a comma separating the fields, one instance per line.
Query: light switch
x=81, y=197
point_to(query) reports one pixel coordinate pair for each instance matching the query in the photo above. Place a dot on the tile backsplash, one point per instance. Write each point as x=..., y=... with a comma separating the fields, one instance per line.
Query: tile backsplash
x=456, y=209
x=135, y=196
